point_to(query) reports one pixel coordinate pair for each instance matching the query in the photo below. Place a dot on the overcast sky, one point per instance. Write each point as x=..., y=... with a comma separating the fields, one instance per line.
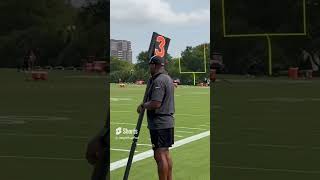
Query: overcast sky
x=185, y=22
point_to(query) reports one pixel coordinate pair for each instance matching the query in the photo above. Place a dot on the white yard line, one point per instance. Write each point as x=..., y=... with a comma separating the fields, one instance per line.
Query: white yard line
x=204, y=125
x=127, y=124
x=189, y=132
x=123, y=150
x=178, y=136
x=141, y=156
x=269, y=169
x=145, y=145
x=132, y=124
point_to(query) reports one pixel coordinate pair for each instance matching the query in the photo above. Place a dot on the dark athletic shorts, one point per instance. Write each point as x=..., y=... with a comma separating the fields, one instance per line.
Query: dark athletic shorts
x=162, y=138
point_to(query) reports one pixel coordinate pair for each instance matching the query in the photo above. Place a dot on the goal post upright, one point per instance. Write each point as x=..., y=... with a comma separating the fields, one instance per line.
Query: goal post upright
x=197, y=72
x=267, y=35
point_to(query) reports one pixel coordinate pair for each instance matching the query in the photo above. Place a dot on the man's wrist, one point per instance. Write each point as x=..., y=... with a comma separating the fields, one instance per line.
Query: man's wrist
x=142, y=105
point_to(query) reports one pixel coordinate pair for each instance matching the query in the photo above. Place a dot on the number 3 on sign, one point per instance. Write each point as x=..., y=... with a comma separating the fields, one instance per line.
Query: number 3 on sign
x=162, y=41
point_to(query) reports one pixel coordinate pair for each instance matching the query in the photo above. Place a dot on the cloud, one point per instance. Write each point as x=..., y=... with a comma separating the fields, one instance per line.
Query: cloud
x=154, y=11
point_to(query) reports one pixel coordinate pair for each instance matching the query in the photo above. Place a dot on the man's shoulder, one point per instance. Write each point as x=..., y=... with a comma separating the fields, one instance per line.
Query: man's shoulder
x=163, y=78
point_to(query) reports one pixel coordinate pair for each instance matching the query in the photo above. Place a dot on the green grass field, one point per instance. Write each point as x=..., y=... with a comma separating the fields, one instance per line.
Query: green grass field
x=263, y=128
x=45, y=126
x=266, y=128
x=191, y=160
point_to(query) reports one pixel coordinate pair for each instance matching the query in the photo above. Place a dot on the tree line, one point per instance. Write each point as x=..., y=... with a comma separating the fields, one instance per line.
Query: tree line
x=59, y=33
x=192, y=60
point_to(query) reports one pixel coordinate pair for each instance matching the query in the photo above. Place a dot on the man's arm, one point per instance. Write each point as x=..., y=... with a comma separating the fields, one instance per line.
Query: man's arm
x=152, y=105
x=158, y=92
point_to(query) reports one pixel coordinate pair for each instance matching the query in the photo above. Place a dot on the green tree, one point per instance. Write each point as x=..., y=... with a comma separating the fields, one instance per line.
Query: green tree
x=34, y=24
x=120, y=69
x=60, y=33
x=192, y=60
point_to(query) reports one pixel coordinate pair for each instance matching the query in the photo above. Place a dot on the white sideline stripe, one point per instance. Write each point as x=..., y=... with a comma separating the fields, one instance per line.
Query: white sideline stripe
x=146, y=125
x=269, y=169
x=42, y=158
x=178, y=135
x=204, y=125
x=189, y=132
x=145, y=145
x=144, y=155
x=127, y=124
x=123, y=150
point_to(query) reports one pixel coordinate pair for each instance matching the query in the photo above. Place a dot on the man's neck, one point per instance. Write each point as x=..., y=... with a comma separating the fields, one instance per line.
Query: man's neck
x=161, y=70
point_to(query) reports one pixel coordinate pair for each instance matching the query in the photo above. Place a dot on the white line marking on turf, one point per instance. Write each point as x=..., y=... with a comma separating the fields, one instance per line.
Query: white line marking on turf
x=189, y=132
x=127, y=124
x=178, y=135
x=144, y=144
x=204, y=125
x=120, y=99
x=123, y=150
x=43, y=158
x=191, y=128
x=141, y=156
x=269, y=169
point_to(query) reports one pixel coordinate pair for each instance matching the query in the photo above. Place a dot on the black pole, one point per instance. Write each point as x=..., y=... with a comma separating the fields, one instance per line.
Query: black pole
x=138, y=127
x=133, y=145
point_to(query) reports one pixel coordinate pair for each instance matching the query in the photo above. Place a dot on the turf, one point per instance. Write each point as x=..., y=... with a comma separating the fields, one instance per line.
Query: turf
x=265, y=128
x=45, y=125
x=193, y=166
x=192, y=117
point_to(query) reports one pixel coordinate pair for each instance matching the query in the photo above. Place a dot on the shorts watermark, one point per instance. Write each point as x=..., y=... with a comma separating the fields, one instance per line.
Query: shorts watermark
x=121, y=131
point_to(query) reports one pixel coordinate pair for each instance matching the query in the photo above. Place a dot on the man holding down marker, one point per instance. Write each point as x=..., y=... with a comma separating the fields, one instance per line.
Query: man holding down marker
x=160, y=110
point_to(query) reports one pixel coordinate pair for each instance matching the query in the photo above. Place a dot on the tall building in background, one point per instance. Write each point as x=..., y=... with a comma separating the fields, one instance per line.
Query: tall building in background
x=121, y=49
